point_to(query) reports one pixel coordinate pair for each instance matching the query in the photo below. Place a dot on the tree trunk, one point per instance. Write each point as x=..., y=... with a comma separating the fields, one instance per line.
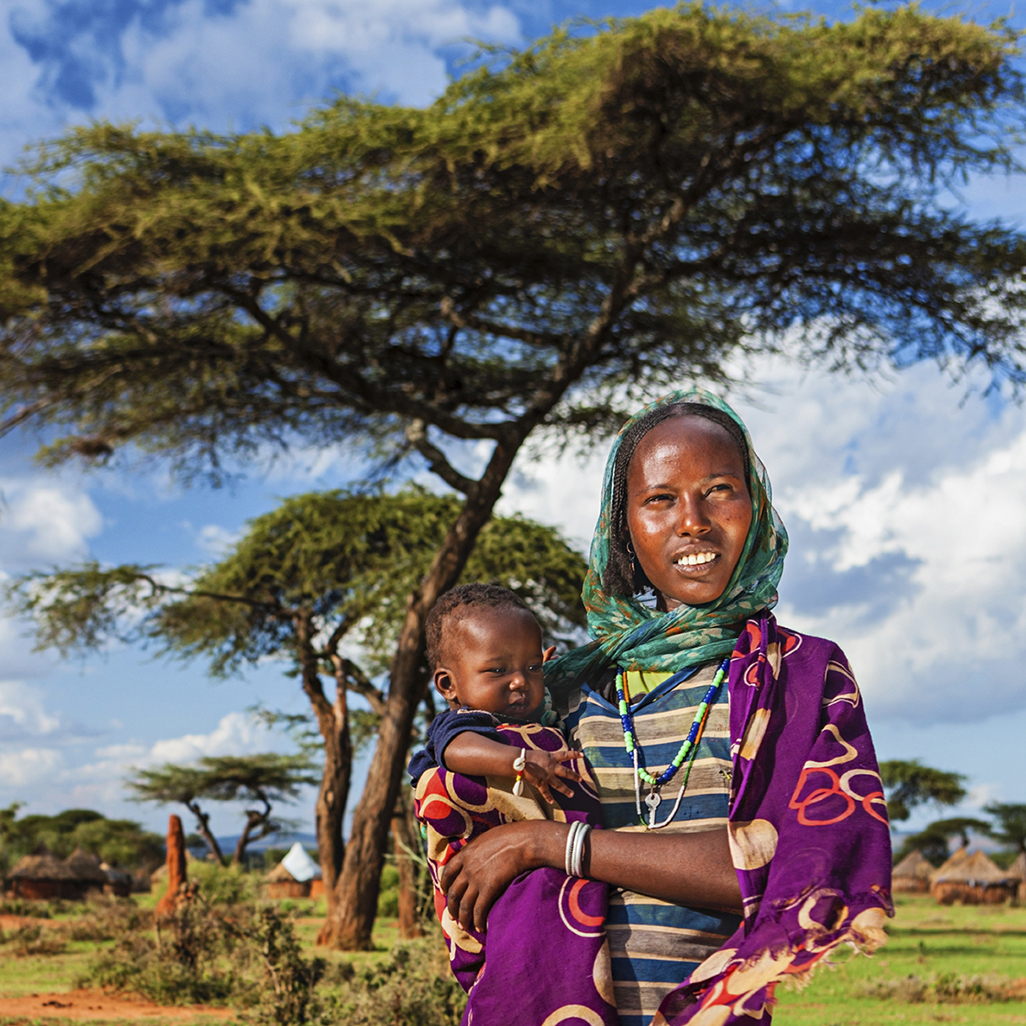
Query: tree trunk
x=351, y=915
x=254, y=819
x=203, y=826
x=404, y=843
x=333, y=723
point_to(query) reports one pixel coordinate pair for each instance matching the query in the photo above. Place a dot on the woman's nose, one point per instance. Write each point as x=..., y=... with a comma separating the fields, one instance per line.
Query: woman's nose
x=693, y=518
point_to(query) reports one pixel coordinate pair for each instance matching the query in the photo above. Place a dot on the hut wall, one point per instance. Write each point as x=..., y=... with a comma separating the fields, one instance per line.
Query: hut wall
x=947, y=893
x=909, y=885
x=288, y=889
x=46, y=890
x=317, y=888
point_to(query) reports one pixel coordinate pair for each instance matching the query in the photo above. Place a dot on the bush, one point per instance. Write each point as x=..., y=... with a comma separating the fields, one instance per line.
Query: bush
x=944, y=988
x=107, y=918
x=413, y=988
x=34, y=940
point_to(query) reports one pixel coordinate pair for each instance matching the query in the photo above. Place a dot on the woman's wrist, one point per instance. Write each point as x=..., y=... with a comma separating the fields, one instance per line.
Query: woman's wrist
x=546, y=844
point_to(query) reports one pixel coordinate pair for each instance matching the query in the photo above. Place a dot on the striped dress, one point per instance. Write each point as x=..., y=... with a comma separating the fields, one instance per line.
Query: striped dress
x=656, y=944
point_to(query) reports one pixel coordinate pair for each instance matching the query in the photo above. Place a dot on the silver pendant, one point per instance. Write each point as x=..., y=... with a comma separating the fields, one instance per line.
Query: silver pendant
x=652, y=800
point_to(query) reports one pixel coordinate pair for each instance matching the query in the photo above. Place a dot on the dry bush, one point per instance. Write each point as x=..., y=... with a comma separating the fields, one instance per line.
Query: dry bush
x=945, y=988
x=33, y=939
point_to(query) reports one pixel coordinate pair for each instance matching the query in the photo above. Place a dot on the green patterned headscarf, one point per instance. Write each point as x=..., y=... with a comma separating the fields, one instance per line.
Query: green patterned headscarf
x=629, y=634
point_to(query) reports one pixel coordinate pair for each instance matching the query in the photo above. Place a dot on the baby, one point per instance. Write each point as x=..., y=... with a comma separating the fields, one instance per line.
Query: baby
x=493, y=758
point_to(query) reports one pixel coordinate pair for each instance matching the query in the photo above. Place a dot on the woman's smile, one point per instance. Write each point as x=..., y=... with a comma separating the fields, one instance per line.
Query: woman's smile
x=688, y=509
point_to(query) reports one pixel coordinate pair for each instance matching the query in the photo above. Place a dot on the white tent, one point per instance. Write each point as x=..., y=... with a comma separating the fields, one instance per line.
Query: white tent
x=300, y=866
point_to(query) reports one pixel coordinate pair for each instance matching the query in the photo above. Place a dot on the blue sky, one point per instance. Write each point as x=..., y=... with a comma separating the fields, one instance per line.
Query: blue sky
x=904, y=496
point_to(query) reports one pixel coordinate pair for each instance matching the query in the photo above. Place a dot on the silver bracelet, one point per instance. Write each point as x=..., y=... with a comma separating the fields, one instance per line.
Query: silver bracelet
x=577, y=861
x=568, y=858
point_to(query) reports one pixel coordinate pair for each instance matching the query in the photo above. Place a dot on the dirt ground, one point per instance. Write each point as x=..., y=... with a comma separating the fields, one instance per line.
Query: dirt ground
x=95, y=1005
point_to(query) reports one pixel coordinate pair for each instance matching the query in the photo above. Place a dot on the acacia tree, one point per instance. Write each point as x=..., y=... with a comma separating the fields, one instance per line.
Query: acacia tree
x=320, y=570
x=1010, y=828
x=563, y=229
x=908, y=784
x=265, y=778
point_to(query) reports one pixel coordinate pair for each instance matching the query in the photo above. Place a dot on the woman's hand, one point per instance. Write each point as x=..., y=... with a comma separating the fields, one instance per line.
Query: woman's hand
x=689, y=869
x=475, y=877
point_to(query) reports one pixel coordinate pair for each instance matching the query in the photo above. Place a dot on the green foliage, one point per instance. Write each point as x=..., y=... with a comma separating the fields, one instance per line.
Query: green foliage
x=1011, y=823
x=287, y=986
x=414, y=987
x=908, y=784
x=267, y=777
x=598, y=214
x=349, y=560
x=388, y=894
x=120, y=842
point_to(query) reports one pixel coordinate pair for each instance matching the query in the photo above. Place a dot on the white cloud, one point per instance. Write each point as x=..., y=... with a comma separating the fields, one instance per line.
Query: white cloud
x=22, y=709
x=44, y=521
x=28, y=766
x=216, y=540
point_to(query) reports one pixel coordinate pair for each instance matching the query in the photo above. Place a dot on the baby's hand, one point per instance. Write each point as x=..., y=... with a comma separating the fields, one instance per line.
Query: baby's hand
x=545, y=770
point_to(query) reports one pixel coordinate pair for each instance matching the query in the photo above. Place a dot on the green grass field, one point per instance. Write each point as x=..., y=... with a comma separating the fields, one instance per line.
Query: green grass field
x=927, y=942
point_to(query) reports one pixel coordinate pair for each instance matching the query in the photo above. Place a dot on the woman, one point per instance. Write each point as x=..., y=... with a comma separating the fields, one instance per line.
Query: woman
x=684, y=566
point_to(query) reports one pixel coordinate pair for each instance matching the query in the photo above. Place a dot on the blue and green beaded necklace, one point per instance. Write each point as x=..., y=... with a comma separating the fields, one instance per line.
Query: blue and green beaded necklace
x=687, y=750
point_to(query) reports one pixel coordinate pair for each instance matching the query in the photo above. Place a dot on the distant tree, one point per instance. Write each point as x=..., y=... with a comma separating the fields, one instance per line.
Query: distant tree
x=1011, y=823
x=320, y=570
x=908, y=784
x=120, y=842
x=563, y=230
x=934, y=840
x=177, y=785
x=263, y=778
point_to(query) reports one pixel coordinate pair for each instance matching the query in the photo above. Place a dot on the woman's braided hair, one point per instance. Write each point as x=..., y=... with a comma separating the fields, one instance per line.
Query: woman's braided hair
x=623, y=575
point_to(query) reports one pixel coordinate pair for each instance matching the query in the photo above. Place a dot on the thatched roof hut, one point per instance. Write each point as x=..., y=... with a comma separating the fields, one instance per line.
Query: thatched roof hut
x=1017, y=871
x=912, y=874
x=41, y=876
x=293, y=877
x=116, y=881
x=87, y=868
x=974, y=880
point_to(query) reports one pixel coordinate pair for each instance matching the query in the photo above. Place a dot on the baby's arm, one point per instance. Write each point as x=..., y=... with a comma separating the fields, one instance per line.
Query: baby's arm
x=473, y=755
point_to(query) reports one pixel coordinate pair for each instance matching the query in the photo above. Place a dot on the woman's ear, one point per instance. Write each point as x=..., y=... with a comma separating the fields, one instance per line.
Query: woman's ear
x=445, y=686
x=549, y=653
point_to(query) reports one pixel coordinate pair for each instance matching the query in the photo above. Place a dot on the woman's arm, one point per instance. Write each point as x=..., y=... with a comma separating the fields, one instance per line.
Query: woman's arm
x=689, y=869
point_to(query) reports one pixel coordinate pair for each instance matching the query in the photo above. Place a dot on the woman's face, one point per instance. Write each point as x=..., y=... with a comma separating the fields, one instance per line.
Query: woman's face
x=688, y=509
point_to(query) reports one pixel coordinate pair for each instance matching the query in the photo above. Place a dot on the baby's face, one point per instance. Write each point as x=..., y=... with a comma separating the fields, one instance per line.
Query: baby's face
x=493, y=663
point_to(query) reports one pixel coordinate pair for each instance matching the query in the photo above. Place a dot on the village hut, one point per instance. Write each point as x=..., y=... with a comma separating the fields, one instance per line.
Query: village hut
x=952, y=862
x=86, y=868
x=42, y=876
x=975, y=880
x=1017, y=872
x=912, y=874
x=294, y=876
x=116, y=882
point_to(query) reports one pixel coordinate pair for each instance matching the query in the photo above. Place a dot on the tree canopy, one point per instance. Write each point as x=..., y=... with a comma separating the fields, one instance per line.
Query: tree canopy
x=265, y=778
x=1010, y=828
x=119, y=842
x=908, y=784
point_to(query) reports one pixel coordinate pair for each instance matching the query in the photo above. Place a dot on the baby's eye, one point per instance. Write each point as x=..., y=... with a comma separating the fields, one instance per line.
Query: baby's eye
x=497, y=670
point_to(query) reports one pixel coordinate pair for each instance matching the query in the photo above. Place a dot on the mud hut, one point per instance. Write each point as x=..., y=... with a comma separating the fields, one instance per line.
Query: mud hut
x=116, y=882
x=294, y=876
x=86, y=868
x=975, y=880
x=912, y=874
x=42, y=876
x=1017, y=872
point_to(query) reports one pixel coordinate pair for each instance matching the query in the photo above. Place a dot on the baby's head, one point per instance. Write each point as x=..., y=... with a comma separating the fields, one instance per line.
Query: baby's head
x=486, y=650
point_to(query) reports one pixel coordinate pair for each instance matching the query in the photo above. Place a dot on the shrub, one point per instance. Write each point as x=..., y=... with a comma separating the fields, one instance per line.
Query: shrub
x=32, y=939
x=413, y=988
x=944, y=988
